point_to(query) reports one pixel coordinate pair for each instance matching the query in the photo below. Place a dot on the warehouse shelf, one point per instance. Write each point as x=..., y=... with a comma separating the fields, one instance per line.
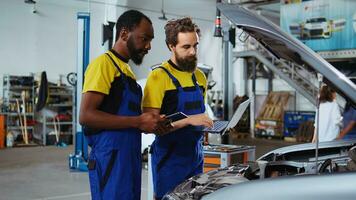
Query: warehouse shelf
x=61, y=94
x=20, y=87
x=18, y=128
x=60, y=123
x=18, y=95
x=16, y=114
x=60, y=104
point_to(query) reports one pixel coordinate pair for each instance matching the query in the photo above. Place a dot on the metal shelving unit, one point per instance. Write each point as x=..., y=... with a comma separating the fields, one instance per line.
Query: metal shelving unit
x=17, y=108
x=60, y=102
x=18, y=128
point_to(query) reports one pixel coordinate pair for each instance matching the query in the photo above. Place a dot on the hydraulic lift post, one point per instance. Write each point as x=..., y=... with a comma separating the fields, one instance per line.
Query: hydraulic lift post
x=78, y=160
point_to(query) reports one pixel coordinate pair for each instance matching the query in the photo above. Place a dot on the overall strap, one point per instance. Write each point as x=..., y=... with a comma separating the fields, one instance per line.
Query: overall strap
x=202, y=106
x=117, y=67
x=175, y=81
x=195, y=82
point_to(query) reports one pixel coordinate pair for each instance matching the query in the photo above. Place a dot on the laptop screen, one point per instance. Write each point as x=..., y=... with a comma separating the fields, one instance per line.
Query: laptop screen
x=237, y=115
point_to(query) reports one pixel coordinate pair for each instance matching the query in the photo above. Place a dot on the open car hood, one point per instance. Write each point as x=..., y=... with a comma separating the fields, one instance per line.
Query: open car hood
x=307, y=151
x=294, y=161
x=284, y=46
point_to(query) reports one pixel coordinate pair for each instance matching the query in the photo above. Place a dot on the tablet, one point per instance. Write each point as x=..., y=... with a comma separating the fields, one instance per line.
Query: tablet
x=176, y=116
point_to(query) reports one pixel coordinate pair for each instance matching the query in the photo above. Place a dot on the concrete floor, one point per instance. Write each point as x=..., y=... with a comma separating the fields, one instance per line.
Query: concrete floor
x=41, y=173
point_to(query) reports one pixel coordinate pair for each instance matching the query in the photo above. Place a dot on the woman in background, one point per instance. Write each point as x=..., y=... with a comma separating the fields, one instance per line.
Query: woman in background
x=329, y=116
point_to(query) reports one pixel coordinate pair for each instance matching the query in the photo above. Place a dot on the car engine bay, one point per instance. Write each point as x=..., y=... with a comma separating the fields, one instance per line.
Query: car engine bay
x=198, y=186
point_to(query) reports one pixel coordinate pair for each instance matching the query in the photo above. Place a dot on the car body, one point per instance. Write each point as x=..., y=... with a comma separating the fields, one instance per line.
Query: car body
x=339, y=186
x=296, y=161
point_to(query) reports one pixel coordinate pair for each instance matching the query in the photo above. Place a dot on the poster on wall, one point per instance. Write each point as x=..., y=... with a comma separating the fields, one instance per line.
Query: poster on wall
x=323, y=25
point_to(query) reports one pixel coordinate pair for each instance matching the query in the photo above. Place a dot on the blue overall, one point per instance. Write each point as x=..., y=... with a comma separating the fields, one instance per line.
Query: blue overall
x=349, y=116
x=115, y=157
x=179, y=154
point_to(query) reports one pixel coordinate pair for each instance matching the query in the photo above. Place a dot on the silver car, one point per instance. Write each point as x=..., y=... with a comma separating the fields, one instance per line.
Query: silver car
x=285, y=173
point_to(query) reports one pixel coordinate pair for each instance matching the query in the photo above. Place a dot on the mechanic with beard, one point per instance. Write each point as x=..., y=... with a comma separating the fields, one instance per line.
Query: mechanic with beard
x=111, y=113
x=177, y=86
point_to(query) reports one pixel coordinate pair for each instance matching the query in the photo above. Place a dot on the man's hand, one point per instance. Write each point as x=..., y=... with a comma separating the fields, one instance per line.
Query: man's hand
x=148, y=122
x=163, y=127
x=194, y=120
x=200, y=120
x=346, y=129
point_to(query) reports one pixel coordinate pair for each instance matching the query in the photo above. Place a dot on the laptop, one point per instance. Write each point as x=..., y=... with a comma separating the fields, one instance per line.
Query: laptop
x=221, y=126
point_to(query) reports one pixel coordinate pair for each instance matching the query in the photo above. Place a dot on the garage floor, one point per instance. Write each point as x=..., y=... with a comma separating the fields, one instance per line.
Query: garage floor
x=41, y=173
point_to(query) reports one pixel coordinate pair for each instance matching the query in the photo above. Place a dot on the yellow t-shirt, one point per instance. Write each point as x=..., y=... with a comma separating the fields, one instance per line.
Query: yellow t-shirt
x=161, y=92
x=101, y=72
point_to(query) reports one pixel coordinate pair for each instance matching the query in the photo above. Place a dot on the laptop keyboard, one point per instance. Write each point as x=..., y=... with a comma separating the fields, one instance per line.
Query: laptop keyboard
x=219, y=126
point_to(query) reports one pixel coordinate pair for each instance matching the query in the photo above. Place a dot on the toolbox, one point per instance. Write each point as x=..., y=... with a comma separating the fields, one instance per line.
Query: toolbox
x=219, y=156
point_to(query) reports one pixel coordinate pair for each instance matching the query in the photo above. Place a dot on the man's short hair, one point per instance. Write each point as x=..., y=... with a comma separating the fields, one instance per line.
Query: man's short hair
x=129, y=20
x=183, y=25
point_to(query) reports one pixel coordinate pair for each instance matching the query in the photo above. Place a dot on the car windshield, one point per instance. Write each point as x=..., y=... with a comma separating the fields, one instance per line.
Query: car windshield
x=316, y=20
